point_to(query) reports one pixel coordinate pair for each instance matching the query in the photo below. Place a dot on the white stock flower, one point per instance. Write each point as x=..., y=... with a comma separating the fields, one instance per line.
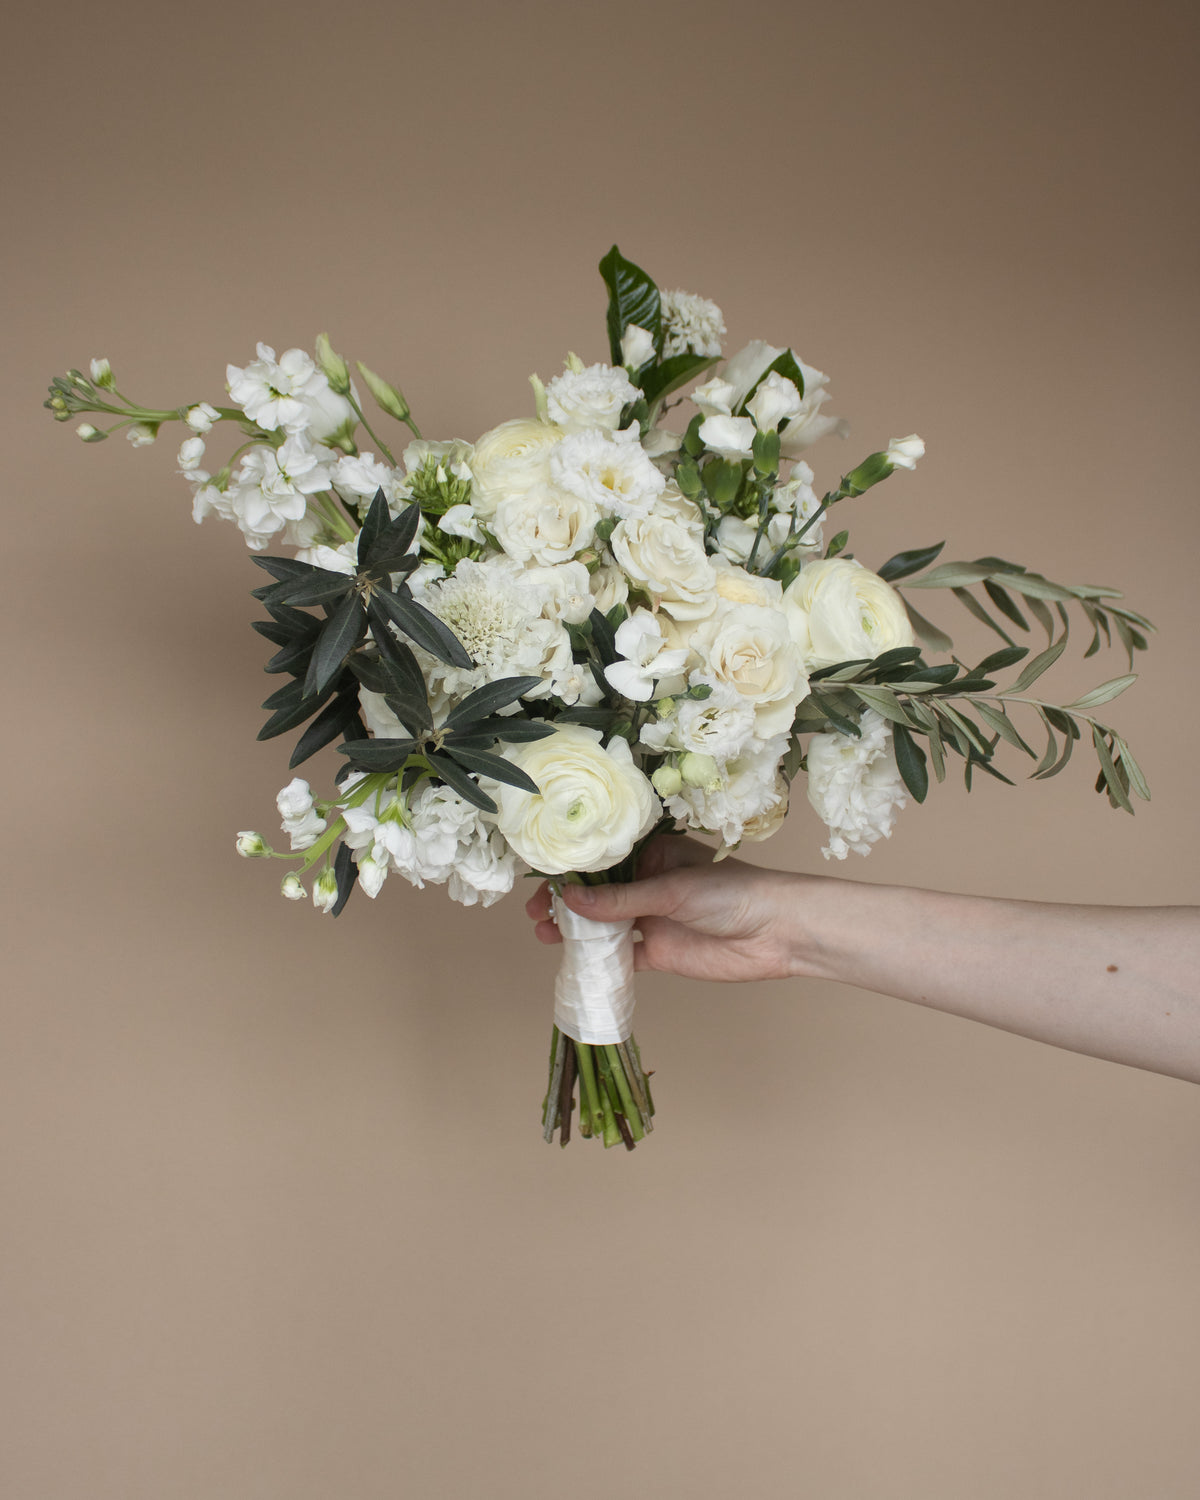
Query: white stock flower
x=666, y=558
x=300, y=820
x=272, y=487
x=509, y=460
x=841, y=611
x=545, y=525
x=292, y=887
x=902, y=453
x=328, y=415
x=269, y=390
x=610, y=470
x=731, y=437
x=191, y=451
x=201, y=417
x=646, y=657
x=420, y=836
x=358, y=477
x=637, y=347
x=854, y=786
x=591, y=807
x=484, y=868
x=461, y=520
x=691, y=325
x=591, y=397
x=776, y=400
x=749, y=647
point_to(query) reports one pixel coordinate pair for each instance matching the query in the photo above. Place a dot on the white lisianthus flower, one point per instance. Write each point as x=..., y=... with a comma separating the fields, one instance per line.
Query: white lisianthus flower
x=902, y=453
x=810, y=423
x=750, y=789
x=637, y=347
x=272, y=487
x=776, y=400
x=545, y=525
x=715, y=397
x=509, y=460
x=269, y=390
x=610, y=470
x=746, y=368
x=749, y=647
x=720, y=725
x=358, y=477
x=591, y=397
x=591, y=807
x=201, y=417
x=646, y=658
x=300, y=820
x=691, y=325
x=854, y=786
x=666, y=558
x=461, y=520
x=731, y=437
x=841, y=611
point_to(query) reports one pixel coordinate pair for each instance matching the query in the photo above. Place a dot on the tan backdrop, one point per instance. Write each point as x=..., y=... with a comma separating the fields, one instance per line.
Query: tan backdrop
x=279, y=1224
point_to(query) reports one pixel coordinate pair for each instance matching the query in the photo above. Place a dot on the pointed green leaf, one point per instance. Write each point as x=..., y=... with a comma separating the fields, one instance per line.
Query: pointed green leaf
x=603, y=638
x=391, y=546
x=485, y=700
x=1136, y=778
x=1005, y=603
x=283, y=567
x=927, y=632
x=343, y=630
x=495, y=766
x=998, y=660
x=1104, y=693
x=375, y=522
x=954, y=575
x=1039, y=664
x=293, y=713
x=294, y=658
x=346, y=871
x=1003, y=726
x=511, y=728
x=973, y=606
x=632, y=298
x=664, y=379
x=326, y=727
x=321, y=587
x=458, y=780
x=906, y=563
x=378, y=754
x=910, y=762
x=423, y=626
x=1112, y=777
x=883, y=702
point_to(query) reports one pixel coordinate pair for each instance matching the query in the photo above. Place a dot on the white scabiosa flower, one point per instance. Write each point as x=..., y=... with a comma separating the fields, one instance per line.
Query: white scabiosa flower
x=854, y=786
x=610, y=470
x=646, y=658
x=589, y=397
x=691, y=325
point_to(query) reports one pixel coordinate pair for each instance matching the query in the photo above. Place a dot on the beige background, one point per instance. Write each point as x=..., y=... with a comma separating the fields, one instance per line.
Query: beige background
x=278, y=1223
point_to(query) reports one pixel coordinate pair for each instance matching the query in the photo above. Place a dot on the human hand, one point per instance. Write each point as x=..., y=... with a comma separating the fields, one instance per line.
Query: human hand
x=726, y=921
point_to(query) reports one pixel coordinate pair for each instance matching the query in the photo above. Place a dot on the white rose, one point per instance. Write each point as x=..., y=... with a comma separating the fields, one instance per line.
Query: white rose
x=509, y=460
x=591, y=807
x=739, y=587
x=667, y=559
x=749, y=647
x=544, y=525
x=841, y=611
x=591, y=397
x=566, y=591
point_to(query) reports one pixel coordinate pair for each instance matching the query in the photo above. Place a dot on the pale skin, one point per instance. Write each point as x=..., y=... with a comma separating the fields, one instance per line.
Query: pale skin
x=1116, y=982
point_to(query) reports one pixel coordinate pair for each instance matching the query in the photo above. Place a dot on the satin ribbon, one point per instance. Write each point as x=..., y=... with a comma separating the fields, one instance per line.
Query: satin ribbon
x=593, y=993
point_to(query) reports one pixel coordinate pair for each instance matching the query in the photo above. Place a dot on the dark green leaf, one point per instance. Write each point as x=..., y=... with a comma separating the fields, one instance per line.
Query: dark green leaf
x=838, y=545
x=424, y=627
x=485, y=764
x=487, y=699
x=288, y=696
x=273, y=631
x=910, y=762
x=283, y=567
x=294, y=658
x=369, y=669
x=391, y=547
x=293, y=713
x=456, y=778
x=343, y=630
x=512, y=729
x=998, y=660
x=783, y=364
x=1005, y=603
x=590, y=718
x=397, y=659
x=1004, y=727
x=1042, y=615
x=377, y=755
x=1039, y=664
x=375, y=522
x=346, y=871
x=321, y=587
x=942, y=674
x=603, y=638
x=632, y=298
x=898, y=656
x=326, y=727
x=295, y=620
x=906, y=563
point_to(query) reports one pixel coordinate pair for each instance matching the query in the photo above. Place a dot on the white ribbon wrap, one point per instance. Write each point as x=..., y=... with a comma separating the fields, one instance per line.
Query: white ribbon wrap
x=593, y=993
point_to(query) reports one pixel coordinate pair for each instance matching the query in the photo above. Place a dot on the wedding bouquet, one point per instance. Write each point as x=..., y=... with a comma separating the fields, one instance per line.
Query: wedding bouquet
x=536, y=651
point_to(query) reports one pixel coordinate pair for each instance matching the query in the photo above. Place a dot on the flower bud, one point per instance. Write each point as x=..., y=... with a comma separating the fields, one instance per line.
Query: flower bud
x=387, y=396
x=664, y=706
x=666, y=781
x=700, y=770
x=902, y=453
x=573, y=363
x=142, y=434
x=90, y=434
x=201, y=417
x=637, y=347
x=292, y=887
x=251, y=845
x=539, y=398
x=325, y=890
x=102, y=374
x=335, y=368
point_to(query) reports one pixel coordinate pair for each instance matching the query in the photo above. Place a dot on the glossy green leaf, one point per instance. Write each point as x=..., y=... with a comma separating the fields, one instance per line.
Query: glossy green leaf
x=346, y=872
x=456, y=778
x=903, y=564
x=664, y=379
x=1005, y=603
x=632, y=298
x=483, y=763
x=910, y=762
x=378, y=754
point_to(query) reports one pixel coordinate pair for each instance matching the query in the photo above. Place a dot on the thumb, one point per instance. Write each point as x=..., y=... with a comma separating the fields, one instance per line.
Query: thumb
x=658, y=896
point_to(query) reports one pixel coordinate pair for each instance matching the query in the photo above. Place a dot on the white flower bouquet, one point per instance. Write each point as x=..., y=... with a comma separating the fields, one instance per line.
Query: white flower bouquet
x=536, y=651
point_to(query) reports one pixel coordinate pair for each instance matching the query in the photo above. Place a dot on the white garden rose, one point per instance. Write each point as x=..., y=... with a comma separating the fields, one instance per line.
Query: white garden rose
x=750, y=647
x=509, y=460
x=841, y=611
x=544, y=525
x=666, y=558
x=591, y=807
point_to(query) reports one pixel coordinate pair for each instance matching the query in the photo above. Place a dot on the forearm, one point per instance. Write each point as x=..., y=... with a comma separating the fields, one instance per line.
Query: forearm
x=1122, y=983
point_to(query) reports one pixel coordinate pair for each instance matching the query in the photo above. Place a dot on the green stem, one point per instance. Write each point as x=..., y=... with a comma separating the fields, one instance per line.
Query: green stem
x=375, y=438
x=590, y=1091
x=630, y=1110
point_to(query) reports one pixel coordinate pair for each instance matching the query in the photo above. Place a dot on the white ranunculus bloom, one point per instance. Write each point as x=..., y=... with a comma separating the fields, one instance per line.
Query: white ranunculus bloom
x=776, y=400
x=666, y=558
x=691, y=325
x=637, y=347
x=610, y=470
x=902, y=453
x=591, y=807
x=731, y=437
x=854, y=786
x=509, y=460
x=591, y=397
x=646, y=658
x=841, y=611
x=715, y=397
x=545, y=525
x=749, y=647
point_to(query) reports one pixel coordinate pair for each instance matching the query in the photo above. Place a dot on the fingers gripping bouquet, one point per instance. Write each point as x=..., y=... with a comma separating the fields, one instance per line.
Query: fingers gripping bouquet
x=536, y=651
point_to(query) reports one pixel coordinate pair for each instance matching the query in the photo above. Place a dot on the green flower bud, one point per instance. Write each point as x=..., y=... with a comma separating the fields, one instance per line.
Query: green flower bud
x=388, y=396
x=251, y=845
x=664, y=706
x=325, y=890
x=102, y=374
x=293, y=887
x=335, y=368
x=539, y=398
x=90, y=434
x=700, y=770
x=666, y=781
